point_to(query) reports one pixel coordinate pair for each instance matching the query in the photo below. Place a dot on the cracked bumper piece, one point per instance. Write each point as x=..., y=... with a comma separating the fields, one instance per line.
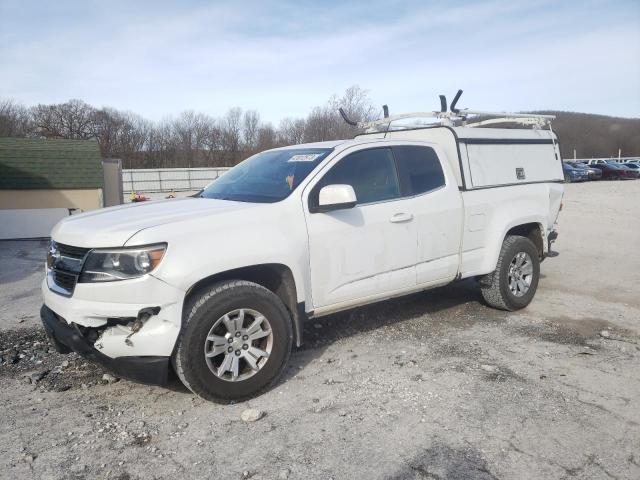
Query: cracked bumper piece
x=152, y=370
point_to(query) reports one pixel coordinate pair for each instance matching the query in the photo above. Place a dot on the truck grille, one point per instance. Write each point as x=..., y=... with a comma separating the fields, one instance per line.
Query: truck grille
x=65, y=264
x=72, y=252
x=64, y=280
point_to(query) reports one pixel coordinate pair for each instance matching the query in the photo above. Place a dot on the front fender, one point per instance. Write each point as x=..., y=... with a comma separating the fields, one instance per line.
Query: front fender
x=268, y=234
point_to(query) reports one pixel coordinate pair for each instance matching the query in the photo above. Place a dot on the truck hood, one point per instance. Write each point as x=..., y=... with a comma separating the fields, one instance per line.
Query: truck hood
x=112, y=227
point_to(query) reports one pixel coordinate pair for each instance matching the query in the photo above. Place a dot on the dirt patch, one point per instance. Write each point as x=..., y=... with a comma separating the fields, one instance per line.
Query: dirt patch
x=584, y=332
x=442, y=461
x=500, y=374
x=27, y=355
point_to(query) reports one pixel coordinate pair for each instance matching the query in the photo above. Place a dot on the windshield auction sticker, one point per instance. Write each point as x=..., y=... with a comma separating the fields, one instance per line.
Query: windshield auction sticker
x=309, y=157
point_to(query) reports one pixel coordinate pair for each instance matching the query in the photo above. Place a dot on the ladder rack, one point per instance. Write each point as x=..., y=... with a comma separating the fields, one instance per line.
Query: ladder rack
x=449, y=118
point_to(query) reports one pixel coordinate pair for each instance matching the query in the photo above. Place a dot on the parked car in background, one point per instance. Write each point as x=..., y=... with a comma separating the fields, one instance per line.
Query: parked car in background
x=635, y=173
x=633, y=166
x=593, y=173
x=612, y=171
x=573, y=174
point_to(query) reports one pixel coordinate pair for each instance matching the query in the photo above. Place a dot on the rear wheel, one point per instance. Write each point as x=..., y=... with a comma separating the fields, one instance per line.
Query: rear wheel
x=235, y=342
x=512, y=285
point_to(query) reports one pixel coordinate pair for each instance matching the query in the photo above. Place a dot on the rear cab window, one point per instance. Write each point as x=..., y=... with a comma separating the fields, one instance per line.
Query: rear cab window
x=419, y=169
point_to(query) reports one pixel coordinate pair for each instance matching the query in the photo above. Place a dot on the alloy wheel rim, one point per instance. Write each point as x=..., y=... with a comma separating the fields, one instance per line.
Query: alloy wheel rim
x=238, y=345
x=520, y=274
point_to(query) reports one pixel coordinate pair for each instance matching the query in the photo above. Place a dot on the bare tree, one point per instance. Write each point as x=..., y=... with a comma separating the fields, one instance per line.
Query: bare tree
x=250, y=126
x=267, y=137
x=291, y=131
x=325, y=123
x=72, y=120
x=231, y=136
x=15, y=120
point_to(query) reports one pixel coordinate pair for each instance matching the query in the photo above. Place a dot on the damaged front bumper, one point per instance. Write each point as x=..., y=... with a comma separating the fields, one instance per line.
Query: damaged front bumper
x=130, y=327
x=112, y=310
x=153, y=370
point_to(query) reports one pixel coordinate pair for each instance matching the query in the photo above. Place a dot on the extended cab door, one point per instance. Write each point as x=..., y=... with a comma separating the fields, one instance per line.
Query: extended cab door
x=437, y=209
x=367, y=250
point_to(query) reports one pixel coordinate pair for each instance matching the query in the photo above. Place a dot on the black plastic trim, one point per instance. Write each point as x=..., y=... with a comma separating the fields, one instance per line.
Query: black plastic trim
x=299, y=318
x=455, y=101
x=457, y=139
x=443, y=103
x=346, y=119
x=152, y=370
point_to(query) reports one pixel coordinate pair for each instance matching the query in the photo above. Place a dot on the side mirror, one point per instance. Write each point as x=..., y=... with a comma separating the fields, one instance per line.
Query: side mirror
x=336, y=197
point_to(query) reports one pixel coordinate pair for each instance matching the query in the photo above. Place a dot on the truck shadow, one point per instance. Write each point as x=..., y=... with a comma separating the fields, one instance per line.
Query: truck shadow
x=419, y=315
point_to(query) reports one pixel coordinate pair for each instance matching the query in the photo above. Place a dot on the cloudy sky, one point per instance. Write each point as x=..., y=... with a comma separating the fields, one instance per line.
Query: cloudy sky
x=158, y=58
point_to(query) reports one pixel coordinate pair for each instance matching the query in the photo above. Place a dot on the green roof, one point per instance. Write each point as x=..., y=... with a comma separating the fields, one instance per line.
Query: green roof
x=33, y=163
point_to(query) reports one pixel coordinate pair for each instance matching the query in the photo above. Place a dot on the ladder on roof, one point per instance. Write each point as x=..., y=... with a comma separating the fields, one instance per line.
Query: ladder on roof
x=448, y=118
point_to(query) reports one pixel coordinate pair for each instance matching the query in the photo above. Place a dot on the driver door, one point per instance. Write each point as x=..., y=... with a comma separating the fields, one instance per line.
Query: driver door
x=368, y=250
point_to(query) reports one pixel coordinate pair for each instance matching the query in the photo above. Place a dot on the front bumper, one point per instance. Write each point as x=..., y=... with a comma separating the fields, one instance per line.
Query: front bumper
x=153, y=370
x=111, y=306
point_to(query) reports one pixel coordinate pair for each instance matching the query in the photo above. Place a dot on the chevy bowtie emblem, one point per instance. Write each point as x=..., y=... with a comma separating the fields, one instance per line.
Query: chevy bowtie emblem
x=54, y=254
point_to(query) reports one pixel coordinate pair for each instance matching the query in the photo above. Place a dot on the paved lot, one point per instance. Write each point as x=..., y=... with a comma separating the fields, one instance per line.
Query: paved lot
x=432, y=386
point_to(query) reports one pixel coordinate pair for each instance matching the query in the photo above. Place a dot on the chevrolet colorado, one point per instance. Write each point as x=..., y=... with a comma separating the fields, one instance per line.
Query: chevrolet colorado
x=218, y=286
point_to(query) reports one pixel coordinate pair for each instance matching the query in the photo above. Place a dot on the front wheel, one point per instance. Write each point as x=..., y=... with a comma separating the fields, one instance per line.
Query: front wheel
x=512, y=285
x=235, y=342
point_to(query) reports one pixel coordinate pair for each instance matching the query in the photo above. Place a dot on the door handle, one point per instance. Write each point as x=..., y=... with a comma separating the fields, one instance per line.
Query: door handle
x=401, y=217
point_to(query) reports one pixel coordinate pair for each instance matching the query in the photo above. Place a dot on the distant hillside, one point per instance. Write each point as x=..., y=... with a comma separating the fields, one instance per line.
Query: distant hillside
x=596, y=135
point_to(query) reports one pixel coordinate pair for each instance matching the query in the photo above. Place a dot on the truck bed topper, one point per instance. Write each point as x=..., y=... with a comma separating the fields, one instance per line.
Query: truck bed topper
x=480, y=157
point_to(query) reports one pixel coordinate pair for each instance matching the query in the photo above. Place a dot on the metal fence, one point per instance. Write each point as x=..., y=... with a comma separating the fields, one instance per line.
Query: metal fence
x=167, y=179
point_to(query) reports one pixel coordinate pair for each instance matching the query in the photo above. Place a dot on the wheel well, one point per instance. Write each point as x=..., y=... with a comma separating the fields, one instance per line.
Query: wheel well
x=272, y=276
x=533, y=232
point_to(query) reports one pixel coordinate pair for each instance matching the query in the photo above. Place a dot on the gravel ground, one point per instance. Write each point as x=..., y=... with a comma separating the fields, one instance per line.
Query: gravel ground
x=432, y=386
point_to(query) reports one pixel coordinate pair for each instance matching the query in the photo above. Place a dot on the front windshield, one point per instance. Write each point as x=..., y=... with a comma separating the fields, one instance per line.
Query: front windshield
x=266, y=177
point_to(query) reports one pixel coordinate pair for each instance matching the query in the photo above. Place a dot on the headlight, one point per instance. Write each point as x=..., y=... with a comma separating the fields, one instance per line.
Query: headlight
x=121, y=264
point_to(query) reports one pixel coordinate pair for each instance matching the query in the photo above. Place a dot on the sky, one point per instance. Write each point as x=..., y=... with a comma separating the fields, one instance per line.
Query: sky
x=159, y=58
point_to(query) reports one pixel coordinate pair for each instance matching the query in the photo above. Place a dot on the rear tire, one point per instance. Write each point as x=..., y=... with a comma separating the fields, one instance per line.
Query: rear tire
x=219, y=326
x=513, y=284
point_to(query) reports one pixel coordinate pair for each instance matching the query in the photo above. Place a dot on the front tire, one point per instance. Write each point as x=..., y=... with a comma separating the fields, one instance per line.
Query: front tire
x=513, y=284
x=235, y=341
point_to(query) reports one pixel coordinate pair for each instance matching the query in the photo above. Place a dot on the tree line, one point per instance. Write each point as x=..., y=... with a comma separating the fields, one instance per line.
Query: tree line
x=195, y=139
x=191, y=139
x=596, y=136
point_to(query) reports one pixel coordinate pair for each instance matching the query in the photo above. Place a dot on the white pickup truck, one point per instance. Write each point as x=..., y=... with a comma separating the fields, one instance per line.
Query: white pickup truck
x=218, y=286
